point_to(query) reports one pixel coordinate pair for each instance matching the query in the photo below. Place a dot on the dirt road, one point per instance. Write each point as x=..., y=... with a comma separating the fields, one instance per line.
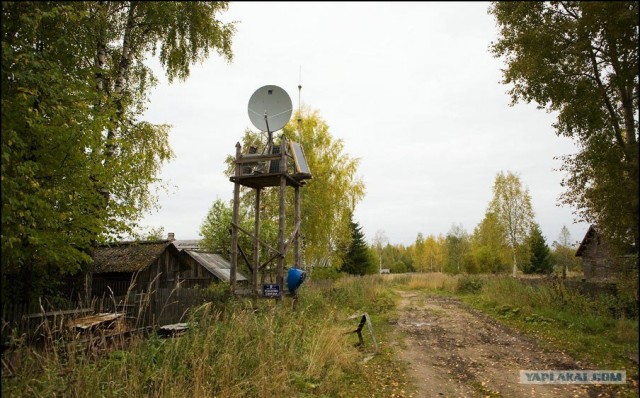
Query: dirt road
x=455, y=351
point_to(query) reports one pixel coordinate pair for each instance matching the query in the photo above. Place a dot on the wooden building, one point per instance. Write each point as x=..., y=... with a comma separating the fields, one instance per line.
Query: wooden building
x=148, y=264
x=151, y=265
x=599, y=261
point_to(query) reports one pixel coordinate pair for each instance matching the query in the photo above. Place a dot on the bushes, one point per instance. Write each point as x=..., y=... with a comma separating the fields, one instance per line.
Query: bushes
x=468, y=284
x=323, y=273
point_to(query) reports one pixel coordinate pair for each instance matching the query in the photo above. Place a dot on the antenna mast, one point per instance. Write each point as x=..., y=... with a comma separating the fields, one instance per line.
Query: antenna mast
x=299, y=94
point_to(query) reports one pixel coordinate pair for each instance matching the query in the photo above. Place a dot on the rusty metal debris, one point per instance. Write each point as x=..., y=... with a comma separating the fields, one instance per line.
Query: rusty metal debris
x=173, y=330
x=364, y=319
x=105, y=320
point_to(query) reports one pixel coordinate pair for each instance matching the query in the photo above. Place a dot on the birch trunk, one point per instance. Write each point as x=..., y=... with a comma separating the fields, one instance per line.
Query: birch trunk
x=121, y=78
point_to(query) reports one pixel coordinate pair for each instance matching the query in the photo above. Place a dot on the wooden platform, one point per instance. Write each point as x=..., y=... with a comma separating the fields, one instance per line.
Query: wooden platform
x=258, y=180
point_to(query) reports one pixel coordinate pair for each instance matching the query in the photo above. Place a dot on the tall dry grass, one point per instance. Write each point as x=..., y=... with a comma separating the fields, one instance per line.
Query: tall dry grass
x=436, y=281
x=232, y=349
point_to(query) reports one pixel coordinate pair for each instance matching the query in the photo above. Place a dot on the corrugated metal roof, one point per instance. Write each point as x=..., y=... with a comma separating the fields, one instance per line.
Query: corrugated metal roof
x=215, y=264
x=127, y=256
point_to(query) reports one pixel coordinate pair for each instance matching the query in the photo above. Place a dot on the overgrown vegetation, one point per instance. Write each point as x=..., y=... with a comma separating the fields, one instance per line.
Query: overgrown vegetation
x=236, y=348
x=601, y=330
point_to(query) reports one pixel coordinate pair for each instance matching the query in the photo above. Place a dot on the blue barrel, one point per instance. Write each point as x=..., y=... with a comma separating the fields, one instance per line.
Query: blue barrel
x=295, y=277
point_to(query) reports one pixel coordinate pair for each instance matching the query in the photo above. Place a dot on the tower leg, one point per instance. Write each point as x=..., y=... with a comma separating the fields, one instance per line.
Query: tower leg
x=234, y=229
x=256, y=245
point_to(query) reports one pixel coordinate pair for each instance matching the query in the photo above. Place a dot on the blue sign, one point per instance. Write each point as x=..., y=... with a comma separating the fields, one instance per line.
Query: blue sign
x=270, y=290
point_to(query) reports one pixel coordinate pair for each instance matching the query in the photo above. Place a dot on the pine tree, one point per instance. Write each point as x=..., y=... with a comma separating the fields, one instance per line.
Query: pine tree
x=357, y=259
x=540, y=261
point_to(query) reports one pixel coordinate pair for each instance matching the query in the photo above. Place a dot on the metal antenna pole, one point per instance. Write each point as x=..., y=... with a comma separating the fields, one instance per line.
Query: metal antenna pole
x=299, y=101
x=270, y=138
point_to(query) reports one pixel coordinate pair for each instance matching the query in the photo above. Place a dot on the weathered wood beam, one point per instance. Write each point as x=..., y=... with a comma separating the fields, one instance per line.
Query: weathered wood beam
x=269, y=260
x=256, y=158
x=291, y=237
x=256, y=247
x=297, y=258
x=263, y=243
x=244, y=257
x=234, y=224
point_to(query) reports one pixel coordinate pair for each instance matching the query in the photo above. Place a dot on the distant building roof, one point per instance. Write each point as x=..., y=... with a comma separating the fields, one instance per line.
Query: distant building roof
x=191, y=244
x=591, y=233
x=215, y=264
x=127, y=256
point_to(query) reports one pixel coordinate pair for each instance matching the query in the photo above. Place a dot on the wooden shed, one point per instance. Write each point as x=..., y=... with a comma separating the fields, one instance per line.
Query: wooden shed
x=599, y=261
x=164, y=264
x=150, y=264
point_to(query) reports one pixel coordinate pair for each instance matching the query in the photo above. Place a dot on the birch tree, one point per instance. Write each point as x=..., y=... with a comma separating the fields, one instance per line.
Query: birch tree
x=456, y=245
x=79, y=162
x=511, y=204
x=433, y=251
x=564, y=251
x=379, y=241
x=419, y=253
x=489, y=244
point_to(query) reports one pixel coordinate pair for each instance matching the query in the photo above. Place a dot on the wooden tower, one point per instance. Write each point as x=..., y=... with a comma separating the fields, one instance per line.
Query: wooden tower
x=282, y=166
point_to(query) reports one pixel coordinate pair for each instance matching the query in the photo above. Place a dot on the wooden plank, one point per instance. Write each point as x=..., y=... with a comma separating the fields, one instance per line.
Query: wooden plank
x=253, y=236
x=297, y=257
x=234, y=222
x=282, y=215
x=269, y=260
x=244, y=257
x=55, y=313
x=255, y=269
x=94, y=320
x=256, y=158
x=269, y=180
x=291, y=237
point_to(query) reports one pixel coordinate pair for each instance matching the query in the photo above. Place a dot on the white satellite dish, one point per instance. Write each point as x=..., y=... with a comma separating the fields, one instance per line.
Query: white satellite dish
x=269, y=108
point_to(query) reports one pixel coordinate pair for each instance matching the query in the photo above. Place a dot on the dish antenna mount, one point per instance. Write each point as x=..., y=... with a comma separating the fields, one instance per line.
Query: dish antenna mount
x=269, y=110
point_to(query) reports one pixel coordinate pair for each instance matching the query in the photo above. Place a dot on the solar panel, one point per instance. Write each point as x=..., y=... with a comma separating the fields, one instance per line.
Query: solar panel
x=274, y=165
x=299, y=158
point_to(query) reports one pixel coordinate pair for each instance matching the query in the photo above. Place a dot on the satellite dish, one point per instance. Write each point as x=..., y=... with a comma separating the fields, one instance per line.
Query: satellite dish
x=269, y=108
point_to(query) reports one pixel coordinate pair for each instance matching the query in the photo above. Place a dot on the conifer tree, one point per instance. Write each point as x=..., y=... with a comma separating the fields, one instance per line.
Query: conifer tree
x=357, y=259
x=540, y=260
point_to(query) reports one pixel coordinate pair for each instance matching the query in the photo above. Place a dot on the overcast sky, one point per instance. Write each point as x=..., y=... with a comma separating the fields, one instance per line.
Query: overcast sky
x=410, y=88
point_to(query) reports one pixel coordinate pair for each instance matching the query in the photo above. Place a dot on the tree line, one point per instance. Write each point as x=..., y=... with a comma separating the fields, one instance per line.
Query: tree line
x=485, y=250
x=508, y=239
